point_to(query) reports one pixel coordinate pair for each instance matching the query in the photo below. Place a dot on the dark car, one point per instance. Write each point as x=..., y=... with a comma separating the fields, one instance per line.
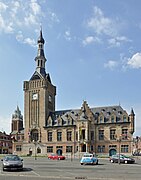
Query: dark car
x=122, y=159
x=56, y=157
x=12, y=162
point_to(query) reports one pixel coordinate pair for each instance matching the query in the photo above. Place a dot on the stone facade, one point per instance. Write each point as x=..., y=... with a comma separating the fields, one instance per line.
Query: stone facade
x=101, y=130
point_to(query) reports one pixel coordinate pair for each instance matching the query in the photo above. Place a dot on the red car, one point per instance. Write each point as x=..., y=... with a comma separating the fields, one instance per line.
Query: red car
x=56, y=156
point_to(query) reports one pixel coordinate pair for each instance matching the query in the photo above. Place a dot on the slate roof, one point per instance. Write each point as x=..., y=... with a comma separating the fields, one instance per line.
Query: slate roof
x=106, y=111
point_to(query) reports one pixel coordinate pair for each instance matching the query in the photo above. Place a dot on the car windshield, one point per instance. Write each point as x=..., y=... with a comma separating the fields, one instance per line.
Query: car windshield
x=11, y=158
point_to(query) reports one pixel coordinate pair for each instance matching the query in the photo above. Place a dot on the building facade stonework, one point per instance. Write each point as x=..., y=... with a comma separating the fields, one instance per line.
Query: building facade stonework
x=101, y=130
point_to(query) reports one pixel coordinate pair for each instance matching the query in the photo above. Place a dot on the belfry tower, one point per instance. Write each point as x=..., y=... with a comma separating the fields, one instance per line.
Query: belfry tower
x=39, y=99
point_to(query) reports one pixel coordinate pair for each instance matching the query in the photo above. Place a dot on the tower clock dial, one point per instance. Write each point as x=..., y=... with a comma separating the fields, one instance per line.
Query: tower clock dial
x=35, y=96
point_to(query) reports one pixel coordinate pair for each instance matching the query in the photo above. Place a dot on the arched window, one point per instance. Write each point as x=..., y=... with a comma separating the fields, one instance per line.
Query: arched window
x=38, y=150
x=34, y=135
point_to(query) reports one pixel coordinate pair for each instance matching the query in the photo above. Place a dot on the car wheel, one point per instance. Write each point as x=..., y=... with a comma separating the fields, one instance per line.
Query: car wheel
x=81, y=163
x=112, y=161
x=125, y=162
x=58, y=158
x=96, y=162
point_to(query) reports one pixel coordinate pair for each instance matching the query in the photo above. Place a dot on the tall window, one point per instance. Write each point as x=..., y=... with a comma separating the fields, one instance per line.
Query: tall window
x=124, y=134
x=124, y=148
x=59, y=136
x=92, y=135
x=49, y=149
x=112, y=134
x=49, y=136
x=68, y=148
x=69, y=135
x=18, y=148
x=101, y=134
x=34, y=135
x=101, y=149
x=76, y=136
x=83, y=134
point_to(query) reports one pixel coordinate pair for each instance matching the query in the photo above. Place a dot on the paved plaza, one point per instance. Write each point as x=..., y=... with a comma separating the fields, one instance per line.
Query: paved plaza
x=42, y=168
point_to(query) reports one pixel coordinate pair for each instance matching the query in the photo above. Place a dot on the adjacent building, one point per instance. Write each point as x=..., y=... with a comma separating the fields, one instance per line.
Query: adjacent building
x=17, y=131
x=102, y=130
x=5, y=143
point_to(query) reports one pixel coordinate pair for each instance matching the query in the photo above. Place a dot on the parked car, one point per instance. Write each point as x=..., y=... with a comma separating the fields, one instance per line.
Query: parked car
x=56, y=156
x=12, y=162
x=122, y=158
x=89, y=158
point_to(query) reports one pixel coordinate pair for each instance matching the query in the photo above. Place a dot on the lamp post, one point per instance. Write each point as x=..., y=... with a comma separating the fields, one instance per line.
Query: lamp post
x=119, y=140
x=34, y=142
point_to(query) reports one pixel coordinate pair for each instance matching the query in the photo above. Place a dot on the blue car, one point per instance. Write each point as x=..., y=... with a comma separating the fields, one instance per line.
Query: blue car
x=89, y=158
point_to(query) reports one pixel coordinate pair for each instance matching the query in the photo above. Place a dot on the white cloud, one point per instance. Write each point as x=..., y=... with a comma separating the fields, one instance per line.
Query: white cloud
x=17, y=15
x=90, y=39
x=3, y=6
x=135, y=61
x=35, y=7
x=15, y=6
x=6, y=27
x=116, y=41
x=5, y=125
x=124, y=62
x=111, y=64
x=106, y=28
x=68, y=35
x=31, y=20
x=101, y=24
x=30, y=41
x=23, y=40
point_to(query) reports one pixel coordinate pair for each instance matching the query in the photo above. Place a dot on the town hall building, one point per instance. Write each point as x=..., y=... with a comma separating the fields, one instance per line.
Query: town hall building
x=102, y=130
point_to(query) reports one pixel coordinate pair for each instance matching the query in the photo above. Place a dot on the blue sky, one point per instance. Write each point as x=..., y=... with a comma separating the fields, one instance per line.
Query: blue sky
x=93, y=51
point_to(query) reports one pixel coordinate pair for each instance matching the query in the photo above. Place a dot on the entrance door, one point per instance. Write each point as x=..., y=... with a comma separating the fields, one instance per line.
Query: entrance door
x=112, y=152
x=84, y=148
x=59, y=152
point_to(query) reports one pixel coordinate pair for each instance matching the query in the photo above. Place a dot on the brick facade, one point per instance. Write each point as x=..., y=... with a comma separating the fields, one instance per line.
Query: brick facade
x=101, y=130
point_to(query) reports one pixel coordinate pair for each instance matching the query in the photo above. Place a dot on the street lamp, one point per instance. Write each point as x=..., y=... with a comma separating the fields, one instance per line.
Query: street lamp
x=119, y=140
x=35, y=143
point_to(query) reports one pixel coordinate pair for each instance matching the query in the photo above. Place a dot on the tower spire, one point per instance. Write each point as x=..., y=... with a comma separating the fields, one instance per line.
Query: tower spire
x=40, y=58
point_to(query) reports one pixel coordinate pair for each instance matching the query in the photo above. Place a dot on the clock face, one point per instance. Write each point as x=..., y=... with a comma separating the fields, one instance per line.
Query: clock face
x=35, y=96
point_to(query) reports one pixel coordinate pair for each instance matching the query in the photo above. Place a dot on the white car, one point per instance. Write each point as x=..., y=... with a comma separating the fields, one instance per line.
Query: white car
x=89, y=158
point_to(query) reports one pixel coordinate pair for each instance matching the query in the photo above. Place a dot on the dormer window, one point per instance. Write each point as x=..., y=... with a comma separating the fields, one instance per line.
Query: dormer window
x=112, y=119
x=119, y=112
x=101, y=119
x=68, y=122
x=124, y=119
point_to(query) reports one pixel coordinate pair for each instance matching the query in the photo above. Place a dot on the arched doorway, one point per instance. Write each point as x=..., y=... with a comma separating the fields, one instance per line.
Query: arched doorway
x=112, y=152
x=59, y=152
x=30, y=151
x=38, y=150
